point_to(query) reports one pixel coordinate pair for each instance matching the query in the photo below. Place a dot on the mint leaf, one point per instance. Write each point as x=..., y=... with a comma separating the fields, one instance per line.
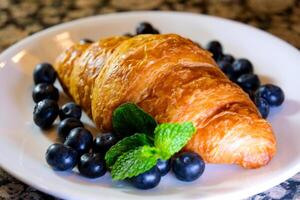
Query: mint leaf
x=135, y=162
x=124, y=145
x=128, y=119
x=171, y=138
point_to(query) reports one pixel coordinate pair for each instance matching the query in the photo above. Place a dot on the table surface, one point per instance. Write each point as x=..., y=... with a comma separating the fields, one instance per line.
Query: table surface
x=19, y=19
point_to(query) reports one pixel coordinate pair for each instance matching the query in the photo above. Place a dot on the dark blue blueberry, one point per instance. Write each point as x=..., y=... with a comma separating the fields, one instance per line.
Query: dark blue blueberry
x=272, y=93
x=188, y=166
x=146, y=28
x=164, y=166
x=242, y=66
x=147, y=180
x=226, y=67
x=228, y=58
x=44, y=73
x=70, y=110
x=262, y=105
x=44, y=113
x=44, y=91
x=80, y=139
x=61, y=157
x=66, y=125
x=248, y=81
x=104, y=141
x=251, y=94
x=155, y=31
x=216, y=49
x=85, y=41
x=92, y=165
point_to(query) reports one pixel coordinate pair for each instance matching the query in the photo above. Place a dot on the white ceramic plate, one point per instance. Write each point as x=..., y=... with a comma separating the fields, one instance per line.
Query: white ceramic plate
x=23, y=145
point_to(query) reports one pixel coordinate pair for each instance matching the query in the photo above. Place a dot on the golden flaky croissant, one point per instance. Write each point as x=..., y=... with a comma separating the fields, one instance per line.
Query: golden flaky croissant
x=174, y=80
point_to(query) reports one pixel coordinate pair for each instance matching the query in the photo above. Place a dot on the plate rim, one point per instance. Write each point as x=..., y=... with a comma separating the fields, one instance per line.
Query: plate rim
x=15, y=47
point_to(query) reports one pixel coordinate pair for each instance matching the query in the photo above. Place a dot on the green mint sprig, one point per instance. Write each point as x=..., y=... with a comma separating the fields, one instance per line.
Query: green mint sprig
x=134, y=162
x=171, y=138
x=138, y=153
x=124, y=145
x=128, y=119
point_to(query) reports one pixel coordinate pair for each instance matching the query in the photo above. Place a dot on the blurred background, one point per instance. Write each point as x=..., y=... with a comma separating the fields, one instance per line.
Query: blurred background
x=20, y=18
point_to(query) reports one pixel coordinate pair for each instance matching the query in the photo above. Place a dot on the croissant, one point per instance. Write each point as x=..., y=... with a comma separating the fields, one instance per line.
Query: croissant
x=174, y=80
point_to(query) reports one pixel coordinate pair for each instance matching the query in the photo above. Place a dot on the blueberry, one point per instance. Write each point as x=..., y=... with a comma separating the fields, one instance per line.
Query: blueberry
x=164, y=166
x=251, y=94
x=92, y=165
x=85, y=41
x=103, y=142
x=61, y=157
x=66, y=125
x=80, y=139
x=215, y=48
x=248, y=81
x=44, y=73
x=262, y=105
x=228, y=58
x=188, y=166
x=242, y=66
x=146, y=28
x=155, y=31
x=44, y=91
x=226, y=67
x=70, y=110
x=44, y=113
x=147, y=180
x=272, y=93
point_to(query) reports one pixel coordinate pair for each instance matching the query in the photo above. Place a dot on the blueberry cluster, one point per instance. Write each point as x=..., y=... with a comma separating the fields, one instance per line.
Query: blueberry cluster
x=45, y=95
x=78, y=147
x=241, y=72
